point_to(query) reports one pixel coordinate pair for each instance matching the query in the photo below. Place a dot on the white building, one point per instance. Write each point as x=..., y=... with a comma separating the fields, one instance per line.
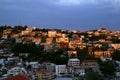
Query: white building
x=74, y=62
x=17, y=70
x=49, y=66
x=2, y=61
x=118, y=62
x=60, y=70
x=4, y=36
x=34, y=65
x=79, y=71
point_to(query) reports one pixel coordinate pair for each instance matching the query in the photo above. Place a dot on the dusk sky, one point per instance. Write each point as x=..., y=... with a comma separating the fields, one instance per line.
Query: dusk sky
x=61, y=14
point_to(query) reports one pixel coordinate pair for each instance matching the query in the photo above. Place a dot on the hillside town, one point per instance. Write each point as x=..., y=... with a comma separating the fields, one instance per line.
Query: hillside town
x=30, y=53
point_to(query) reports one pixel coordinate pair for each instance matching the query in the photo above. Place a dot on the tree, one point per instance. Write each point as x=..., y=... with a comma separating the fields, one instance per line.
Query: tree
x=60, y=60
x=81, y=53
x=116, y=55
x=4, y=71
x=0, y=66
x=1, y=29
x=91, y=75
x=55, y=57
x=18, y=29
x=108, y=67
x=104, y=46
x=43, y=39
x=29, y=67
x=35, y=52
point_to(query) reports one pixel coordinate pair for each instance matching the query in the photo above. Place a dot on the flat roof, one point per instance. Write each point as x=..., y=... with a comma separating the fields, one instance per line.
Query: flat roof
x=74, y=59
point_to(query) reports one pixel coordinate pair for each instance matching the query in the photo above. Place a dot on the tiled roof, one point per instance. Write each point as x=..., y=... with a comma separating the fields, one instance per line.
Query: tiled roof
x=18, y=77
x=89, y=61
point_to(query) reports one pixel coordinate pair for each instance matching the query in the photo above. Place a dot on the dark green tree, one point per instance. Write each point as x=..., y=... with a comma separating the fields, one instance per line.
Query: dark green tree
x=104, y=46
x=108, y=67
x=35, y=52
x=116, y=55
x=91, y=75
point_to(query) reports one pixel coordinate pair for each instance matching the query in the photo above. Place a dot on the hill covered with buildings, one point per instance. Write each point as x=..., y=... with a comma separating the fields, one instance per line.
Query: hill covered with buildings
x=66, y=53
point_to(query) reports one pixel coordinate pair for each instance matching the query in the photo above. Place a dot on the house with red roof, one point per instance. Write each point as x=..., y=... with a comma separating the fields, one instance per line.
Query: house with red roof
x=18, y=77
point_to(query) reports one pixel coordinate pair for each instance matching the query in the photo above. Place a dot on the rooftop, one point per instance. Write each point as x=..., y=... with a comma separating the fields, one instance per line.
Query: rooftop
x=74, y=59
x=89, y=61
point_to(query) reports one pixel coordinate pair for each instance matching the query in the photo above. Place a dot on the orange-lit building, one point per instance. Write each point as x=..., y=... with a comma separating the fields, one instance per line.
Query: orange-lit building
x=66, y=39
x=36, y=39
x=49, y=40
x=52, y=33
x=29, y=29
x=7, y=31
x=72, y=53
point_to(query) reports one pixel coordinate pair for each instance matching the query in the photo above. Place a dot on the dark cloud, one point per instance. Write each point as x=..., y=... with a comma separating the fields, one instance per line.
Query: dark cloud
x=69, y=14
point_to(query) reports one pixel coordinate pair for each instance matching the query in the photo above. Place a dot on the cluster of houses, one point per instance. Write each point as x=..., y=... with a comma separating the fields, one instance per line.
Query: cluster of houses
x=52, y=39
x=19, y=70
x=16, y=69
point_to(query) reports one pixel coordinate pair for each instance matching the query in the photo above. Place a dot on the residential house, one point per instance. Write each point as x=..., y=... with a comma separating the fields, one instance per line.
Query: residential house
x=59, y=34
x=74, y=31
x=36, y=40
x=49, y=66
x=118, y=62
x=99, y=53
x=23, y=54
x=74, y=67
x=109, y=37
x=48, y=47
x=5, y=52
x=5, y=36
x=115, y=45
x=32, y=34
x=60, y=70
x=117, y=73
x=79, y=71
x=104, y=54
x=44, y=34
x=90, y=50
x=52, y=33
x=72, y=53
x=18, y=40
x=73, y=62
x=17, y=70
x=13, y=35
x=43, y=74
x=90, y=32
x=18, y=77
x=49, y=40
x=2, y=62
x=89, y=64
x=27, y=39
x=29, y=29
x=65, y=40
x=34, y=65
x=2, y=51
x=77, y=43
x=63, y=35
x=96, y=33
x=24, y=32
x=62, y=45
x=7, y=31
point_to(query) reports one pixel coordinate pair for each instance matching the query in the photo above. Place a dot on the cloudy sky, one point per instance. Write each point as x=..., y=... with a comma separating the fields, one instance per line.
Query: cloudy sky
x=61, y=14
